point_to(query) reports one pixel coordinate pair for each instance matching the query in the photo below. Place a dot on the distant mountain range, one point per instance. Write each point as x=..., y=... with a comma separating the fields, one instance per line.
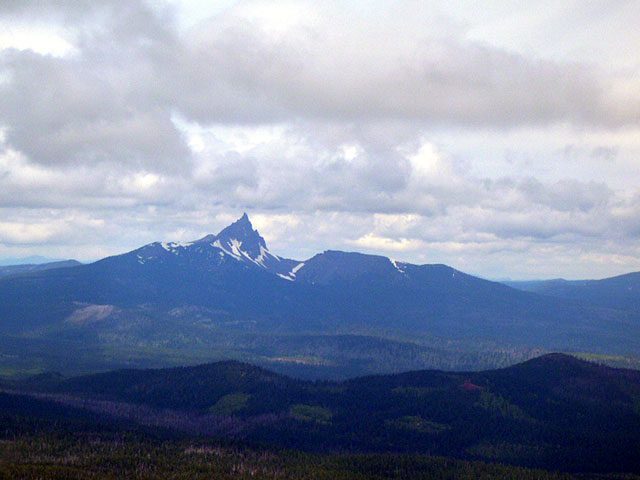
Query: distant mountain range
x=19, y=269
x=620, y=292
x=30, y=260
x=203, y=294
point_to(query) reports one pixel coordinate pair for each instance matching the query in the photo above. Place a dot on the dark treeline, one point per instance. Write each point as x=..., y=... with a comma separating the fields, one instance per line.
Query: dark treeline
x=96, y=457
x=41, y=438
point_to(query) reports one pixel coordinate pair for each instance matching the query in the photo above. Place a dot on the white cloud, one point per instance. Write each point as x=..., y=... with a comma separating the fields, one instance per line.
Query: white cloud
x=453, y=133
x=40, y=39
x=373, y=242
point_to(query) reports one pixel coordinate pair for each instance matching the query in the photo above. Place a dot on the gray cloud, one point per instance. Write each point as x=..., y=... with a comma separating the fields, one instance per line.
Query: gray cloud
x=319, y=69
x=101, y=103
x=113, y=100
x=322, y=120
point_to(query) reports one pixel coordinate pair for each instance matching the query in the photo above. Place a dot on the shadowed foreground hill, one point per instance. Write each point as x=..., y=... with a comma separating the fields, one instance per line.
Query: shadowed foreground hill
x=553, y=412
x=44, y=439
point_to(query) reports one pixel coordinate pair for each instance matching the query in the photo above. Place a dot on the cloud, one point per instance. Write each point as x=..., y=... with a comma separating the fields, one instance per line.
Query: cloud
x=373, y=242
x=254, y=65
x=395, y=127
x=114, y=98
x=99, y=104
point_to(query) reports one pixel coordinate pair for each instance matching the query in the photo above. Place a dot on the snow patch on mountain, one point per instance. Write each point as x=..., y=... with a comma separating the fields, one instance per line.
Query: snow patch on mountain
x=399, y=266
x=237, y=242
x=173, y=247
x=233, y=254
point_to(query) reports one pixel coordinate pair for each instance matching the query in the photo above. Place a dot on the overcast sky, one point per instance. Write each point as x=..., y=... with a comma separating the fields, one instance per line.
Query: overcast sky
x=501, y=138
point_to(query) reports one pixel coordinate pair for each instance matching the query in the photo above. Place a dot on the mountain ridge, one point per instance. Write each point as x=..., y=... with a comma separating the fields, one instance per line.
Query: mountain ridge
x=238, y=241
x=27, y=268
x=618, y=292
x=230, y=283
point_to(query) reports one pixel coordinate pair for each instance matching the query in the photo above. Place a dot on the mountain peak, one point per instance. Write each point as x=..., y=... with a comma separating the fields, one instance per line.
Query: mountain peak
x=242, y=231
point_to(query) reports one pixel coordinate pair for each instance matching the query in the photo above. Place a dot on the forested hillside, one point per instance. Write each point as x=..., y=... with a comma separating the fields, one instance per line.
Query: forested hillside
x=553, y=412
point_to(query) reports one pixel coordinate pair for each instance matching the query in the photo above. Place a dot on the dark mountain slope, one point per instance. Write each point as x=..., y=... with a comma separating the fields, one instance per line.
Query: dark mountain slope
x=202, y=273
x=46, y=439
x=189, y=388
x=553, y=412
x=437, y=299
x=568, y=379
x=50, y=297
x=234, y=278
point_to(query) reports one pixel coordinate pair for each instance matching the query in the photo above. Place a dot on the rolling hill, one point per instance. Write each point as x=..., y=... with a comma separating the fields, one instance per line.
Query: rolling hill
x=552, y=412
